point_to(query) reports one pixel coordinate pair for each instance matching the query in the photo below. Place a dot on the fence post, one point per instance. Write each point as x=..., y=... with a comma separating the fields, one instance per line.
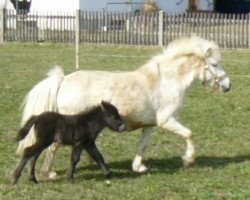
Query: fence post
x=77, y=38
x=160, y=29
x=248, y=30
x=2, y=25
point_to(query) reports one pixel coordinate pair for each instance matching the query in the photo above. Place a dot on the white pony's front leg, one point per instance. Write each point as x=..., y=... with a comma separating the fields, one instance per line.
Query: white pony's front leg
x=137, y=165
x=176, y=127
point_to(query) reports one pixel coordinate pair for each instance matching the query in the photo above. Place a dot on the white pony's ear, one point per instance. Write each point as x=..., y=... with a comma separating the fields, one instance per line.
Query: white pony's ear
x=209, y=52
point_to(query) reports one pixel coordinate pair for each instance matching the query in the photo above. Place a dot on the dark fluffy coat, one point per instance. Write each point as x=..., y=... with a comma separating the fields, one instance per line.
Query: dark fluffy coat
x=80, y=131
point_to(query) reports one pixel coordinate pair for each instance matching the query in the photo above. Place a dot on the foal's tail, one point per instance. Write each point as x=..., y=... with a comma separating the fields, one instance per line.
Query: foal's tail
x=23, y=132
x=41, y=98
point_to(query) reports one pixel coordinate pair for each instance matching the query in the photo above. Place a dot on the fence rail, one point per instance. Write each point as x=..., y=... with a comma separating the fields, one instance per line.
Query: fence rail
x=228, y=30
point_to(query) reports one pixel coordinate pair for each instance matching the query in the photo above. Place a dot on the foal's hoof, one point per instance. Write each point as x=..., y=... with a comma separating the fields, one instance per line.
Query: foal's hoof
x=71, y=180
x=15, y=178
x=33, y=179
x=108, y=174
x=14, y=182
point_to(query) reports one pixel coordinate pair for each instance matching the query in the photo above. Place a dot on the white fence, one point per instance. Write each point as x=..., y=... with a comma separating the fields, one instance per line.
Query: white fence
x=228, y=30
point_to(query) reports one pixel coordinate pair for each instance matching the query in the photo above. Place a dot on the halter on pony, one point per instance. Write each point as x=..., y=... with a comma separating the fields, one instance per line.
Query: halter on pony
x=215, y=77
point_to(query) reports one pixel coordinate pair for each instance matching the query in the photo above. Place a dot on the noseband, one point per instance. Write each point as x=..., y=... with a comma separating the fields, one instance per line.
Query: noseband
x=215, y=77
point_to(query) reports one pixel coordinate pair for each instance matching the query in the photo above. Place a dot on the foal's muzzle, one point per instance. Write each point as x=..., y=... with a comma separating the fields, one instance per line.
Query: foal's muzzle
x=122, y=127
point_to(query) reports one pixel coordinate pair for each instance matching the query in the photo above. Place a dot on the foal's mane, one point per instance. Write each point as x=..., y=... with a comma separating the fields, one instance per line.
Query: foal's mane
x=92, y=110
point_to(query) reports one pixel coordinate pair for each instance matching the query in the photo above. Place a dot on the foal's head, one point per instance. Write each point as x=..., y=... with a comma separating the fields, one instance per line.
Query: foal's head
x=111, y=117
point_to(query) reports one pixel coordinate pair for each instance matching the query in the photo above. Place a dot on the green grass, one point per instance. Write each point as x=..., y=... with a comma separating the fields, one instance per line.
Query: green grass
x=220, y=124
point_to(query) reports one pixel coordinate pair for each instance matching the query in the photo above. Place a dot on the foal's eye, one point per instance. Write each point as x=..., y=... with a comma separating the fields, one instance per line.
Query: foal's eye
x=214, y=65
x=111, y=116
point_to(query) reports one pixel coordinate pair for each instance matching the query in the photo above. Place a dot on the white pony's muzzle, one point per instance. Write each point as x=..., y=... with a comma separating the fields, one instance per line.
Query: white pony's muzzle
x=215, y=77
x=224, y=85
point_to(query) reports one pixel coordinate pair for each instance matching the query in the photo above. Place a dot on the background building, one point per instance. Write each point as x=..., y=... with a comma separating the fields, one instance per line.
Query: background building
x=170, y=6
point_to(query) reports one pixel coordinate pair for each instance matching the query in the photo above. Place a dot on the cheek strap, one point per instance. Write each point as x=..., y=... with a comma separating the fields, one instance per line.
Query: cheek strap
x=215, y=77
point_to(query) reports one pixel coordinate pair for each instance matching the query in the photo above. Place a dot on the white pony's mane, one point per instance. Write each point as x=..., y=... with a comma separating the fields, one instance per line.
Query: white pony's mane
x=188, y=46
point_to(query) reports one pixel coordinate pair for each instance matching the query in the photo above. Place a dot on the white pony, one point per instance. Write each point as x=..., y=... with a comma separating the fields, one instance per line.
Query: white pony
x=150, y=96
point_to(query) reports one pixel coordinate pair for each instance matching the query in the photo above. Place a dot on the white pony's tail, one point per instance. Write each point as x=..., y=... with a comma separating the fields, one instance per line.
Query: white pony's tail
x=41, y=98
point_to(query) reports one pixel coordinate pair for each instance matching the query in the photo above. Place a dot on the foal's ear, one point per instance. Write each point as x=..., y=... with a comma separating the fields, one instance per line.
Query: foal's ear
x=105, y=105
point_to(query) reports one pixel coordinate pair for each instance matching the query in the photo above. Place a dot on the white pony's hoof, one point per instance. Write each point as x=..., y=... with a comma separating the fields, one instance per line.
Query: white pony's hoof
x=48, y=175
x=188, y=161
x=141, y=168
x=52, y=175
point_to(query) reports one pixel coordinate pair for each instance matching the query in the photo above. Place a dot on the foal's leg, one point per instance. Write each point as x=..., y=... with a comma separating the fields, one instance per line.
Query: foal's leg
x=28, y=153
x=75, y=157
x=17, y=173
x=97, y=156
x=176, y=127
x=46, y=169
x=33, y=160
x=137, y=163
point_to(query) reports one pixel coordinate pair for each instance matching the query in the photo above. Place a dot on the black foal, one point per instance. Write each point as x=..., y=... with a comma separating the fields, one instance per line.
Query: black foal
x=80, y=131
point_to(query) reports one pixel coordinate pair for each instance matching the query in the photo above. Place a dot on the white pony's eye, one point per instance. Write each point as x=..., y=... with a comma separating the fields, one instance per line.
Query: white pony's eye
x=214, y=65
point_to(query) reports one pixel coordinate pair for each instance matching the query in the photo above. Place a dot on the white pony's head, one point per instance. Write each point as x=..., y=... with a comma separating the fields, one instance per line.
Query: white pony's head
x=204, y=56
x=213, y=75
x=193, y=57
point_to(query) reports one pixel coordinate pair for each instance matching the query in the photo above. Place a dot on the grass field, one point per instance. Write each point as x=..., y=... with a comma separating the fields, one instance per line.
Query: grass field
x=220, y=124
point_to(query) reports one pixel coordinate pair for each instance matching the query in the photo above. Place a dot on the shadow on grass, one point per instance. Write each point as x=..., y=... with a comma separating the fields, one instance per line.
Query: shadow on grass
x=122, y=169
x=217, y=162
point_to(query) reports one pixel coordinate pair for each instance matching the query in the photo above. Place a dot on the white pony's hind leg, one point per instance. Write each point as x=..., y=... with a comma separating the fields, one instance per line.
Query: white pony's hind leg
x=46, y=169
x=137, y=165
x=176, y=127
